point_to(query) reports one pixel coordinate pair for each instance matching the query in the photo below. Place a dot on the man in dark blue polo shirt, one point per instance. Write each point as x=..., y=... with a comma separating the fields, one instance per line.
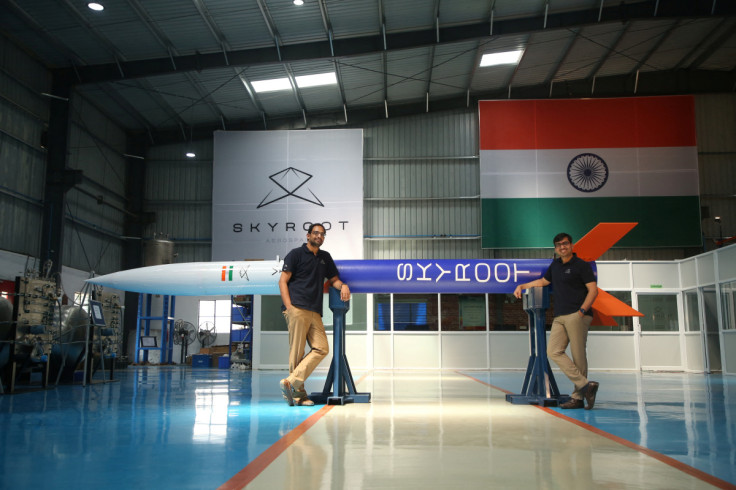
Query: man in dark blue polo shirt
x=301, y=285
x=575, y=289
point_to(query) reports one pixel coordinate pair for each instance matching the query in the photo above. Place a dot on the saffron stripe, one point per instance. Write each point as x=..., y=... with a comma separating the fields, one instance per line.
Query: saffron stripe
x=224, y=269
x=587, y=123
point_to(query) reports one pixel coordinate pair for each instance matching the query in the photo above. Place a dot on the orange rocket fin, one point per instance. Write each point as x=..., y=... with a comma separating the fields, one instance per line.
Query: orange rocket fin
x=598, y=240
x=606, y=306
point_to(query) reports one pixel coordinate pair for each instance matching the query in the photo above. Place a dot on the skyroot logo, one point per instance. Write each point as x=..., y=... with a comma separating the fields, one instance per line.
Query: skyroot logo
x=480, y=272
x=293, y=189
x=286, y=227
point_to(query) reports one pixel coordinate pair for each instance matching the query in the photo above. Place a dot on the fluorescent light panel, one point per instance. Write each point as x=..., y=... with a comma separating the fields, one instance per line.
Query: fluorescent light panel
x=504, y=58
x=272, y=85
x=316, y=80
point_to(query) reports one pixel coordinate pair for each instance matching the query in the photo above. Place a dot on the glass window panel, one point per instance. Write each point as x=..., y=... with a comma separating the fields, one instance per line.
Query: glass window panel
x=382, y=312
x=692, y=311
x=272, y=320
x=222, y=324
x=223, y=307
x=355, y=318
x=415, y=312
x=506, y=313
x=712, y=337
x=207, y=308
x=624, y=323
x=728, y=304
x=463, y=312
x=660, y=312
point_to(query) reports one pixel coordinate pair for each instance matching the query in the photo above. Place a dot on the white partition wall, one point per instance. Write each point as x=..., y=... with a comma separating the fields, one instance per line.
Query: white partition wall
x=690, y=326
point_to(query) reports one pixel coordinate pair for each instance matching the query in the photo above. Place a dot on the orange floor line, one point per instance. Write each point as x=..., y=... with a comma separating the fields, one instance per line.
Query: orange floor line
x=250, y=472
x=247, y=474
x=685, y=468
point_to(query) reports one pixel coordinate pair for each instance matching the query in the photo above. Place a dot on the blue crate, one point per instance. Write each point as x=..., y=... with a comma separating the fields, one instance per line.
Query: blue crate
x=239, y=335
x=201, y=360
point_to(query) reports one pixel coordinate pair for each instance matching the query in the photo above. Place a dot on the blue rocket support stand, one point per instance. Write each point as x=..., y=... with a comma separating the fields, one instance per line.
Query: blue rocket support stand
x=539, y=386
x=339, y=386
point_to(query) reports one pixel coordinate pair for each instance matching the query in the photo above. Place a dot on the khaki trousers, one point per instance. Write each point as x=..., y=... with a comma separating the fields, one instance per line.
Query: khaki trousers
x=571, y=330
x=304, y=327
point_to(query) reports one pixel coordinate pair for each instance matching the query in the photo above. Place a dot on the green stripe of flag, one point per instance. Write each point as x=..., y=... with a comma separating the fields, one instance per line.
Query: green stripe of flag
x=532, y=223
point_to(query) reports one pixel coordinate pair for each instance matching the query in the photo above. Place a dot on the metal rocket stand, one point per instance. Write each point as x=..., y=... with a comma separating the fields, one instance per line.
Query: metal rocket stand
x=339, y=386
x=539, y=383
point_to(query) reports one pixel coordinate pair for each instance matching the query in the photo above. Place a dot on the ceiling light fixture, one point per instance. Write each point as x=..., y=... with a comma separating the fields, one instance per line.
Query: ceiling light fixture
x=272, y=85
x=298, y=2
x=504, y=58
x=191, y=154
x=97, y=7
x=316, y=80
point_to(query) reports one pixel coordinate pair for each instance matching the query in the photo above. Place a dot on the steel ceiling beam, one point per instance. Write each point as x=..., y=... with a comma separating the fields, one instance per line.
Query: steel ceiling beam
x=363, y=45
x=650, y=83
x=710, y=44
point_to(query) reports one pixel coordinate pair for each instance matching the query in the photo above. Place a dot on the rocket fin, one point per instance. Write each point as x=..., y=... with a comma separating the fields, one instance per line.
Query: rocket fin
x=608, y=304
x=598, y=240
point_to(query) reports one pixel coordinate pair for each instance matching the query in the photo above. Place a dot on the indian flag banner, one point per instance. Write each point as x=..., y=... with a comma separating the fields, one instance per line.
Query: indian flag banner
x=548, y=166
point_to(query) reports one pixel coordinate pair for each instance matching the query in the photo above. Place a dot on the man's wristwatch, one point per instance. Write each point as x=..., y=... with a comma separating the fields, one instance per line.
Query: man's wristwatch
x=582, y=310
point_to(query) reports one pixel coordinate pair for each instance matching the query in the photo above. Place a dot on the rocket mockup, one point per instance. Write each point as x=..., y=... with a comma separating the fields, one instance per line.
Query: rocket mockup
x=450, y=276
x=363, y=276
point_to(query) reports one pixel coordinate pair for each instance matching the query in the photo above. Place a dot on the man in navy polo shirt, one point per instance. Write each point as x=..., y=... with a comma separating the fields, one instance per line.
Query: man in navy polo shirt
x=302, y=286
x=575, y=289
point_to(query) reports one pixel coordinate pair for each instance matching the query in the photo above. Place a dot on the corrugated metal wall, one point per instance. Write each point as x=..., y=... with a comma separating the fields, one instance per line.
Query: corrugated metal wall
x=95, y=207
x=421, y=186
x=23, y=115
x=96, y=145
x=715, y=117
x=179, y=191
x=421, y=177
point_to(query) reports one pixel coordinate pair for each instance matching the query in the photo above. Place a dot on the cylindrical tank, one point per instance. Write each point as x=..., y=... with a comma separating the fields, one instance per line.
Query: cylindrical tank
x=159, y=250
x=70, y=348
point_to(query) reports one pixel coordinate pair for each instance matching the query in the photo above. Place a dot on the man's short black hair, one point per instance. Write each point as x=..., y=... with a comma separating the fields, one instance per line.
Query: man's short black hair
x=311, y=227
x=561, y=236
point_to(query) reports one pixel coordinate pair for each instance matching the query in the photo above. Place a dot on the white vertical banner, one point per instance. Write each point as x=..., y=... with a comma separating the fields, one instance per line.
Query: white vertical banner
x=269, y=186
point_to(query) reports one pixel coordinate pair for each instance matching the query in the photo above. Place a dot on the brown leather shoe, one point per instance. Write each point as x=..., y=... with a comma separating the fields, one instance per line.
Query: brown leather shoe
x=589, y=393
x=301, y=399
x=572, y=403
x=287, y=392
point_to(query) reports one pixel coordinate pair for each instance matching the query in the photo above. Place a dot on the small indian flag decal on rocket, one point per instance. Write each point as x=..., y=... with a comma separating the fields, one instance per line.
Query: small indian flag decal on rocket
x=227, y=273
